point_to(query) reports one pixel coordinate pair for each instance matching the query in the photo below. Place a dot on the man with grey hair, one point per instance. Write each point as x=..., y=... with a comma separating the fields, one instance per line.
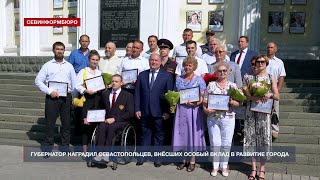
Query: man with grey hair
x=234, y=74
x=110, y=63
x=209, y=56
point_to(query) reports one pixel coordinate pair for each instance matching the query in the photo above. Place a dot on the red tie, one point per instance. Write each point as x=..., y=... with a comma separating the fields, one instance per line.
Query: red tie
x=238, y=61
x=113, y=99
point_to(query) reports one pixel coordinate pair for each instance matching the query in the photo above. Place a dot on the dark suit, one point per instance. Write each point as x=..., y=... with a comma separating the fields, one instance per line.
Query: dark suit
x=246, y=67
x=122, y=112
x=152, y=104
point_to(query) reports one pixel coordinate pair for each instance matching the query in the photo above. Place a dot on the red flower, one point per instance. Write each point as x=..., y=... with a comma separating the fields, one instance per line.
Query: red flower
x=230, y=70
x=210, y=77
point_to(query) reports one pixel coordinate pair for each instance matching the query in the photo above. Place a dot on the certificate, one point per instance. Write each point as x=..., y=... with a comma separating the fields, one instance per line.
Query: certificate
x=95, y=84
x=262, y=107
x=60, y=87
x=218, y=102
x=129, y=75
x=96, y=115
x=190, y=95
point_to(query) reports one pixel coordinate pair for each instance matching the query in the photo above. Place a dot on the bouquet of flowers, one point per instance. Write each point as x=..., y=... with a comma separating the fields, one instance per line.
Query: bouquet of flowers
x=236, y=94
x=210, y=77
x=107, y=78
x=259, y=88
x=172, y=97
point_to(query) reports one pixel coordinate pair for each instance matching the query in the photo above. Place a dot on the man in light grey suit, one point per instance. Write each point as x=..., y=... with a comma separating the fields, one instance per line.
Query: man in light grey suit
x=234, y=73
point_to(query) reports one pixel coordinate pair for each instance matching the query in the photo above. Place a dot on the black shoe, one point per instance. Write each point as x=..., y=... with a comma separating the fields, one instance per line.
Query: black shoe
x=139, y=163
x=157, y=164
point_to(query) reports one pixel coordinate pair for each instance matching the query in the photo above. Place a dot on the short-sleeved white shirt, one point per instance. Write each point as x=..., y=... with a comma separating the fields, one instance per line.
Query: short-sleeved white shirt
x=180, y=52
x=129, y=63
x=202, y=68
x=276, y=68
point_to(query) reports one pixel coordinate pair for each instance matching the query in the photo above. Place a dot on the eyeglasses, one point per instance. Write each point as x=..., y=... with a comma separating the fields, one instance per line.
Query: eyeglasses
x=222, y=71
x=219, y=52
x=253, y=64
x=260, y=62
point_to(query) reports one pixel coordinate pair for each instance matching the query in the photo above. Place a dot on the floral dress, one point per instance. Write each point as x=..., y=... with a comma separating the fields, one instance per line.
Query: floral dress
x=257, y=126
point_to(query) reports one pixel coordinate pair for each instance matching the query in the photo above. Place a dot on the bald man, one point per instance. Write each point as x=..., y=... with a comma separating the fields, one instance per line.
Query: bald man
x=276, y=69
x=110, y=63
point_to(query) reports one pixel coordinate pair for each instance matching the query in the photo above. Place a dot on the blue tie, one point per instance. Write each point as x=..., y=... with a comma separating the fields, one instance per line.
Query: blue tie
x=152, y=80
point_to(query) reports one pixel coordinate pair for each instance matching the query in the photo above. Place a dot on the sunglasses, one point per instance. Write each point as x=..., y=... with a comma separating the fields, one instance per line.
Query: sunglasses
x=222, y=71
x=260, y=62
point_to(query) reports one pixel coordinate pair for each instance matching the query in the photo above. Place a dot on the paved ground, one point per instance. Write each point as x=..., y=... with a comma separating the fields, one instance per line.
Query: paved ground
x=13, y=167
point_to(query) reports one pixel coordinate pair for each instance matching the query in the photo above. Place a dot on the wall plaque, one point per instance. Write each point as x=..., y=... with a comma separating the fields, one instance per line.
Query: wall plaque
x=119, y=21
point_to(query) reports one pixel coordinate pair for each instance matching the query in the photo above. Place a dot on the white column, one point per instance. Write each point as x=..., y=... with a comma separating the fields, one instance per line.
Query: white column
x=3, y=27
x=249, y=22
x=10, y=48
x=82, y=14
x=169, y=20
x=45, y=33
x=29, y=35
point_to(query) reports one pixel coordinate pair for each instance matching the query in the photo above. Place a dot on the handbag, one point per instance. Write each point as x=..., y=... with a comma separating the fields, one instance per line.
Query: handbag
x=78, y=102
x=274, y=126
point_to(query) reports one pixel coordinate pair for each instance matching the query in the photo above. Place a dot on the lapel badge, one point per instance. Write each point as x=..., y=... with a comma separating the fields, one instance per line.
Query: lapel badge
x=121, y=107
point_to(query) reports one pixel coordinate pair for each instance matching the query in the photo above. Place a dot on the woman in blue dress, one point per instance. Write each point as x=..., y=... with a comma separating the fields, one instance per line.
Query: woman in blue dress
x=188, y=132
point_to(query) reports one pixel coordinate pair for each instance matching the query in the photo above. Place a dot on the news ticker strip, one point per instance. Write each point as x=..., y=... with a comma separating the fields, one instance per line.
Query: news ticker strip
x=164, y=154
x=51, y=21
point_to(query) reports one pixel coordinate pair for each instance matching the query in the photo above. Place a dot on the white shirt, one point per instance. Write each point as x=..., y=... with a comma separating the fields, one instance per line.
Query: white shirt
x=180, y=52
x=244, y=52
x=80, y=80
x=202, y=68
x=55, y=71
x=148, y=53
x=155, y=75
x=109, y=66
x=129, y=63
x=211, y=58
x=276, y=68
x=111, y=96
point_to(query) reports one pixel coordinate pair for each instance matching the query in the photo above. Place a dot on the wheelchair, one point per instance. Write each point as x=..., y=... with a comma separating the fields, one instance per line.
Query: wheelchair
x=125, y=138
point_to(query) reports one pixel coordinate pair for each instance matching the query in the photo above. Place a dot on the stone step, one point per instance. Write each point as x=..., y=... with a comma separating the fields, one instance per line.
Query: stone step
x=299, y=102
x=23, y=98
x=300, y=130
x=32, y=135
x=19, y=104
x=311, y=109
x=22, y=111
x=19, y=142
x=309, y=96
x=299, y=115
x=299, y=139
x=24, y=126
x=299, y=122
x=21, y=76
x=23, y=118
x=301, y=148
x=19, y=87
x=296, y=83
x=301, y=90
x=294, y=169
x=22, y=93
x=306, y=159
x=17, y=81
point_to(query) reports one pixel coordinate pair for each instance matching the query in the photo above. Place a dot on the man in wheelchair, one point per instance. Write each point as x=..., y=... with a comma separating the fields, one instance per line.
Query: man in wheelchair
x=119, y=106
